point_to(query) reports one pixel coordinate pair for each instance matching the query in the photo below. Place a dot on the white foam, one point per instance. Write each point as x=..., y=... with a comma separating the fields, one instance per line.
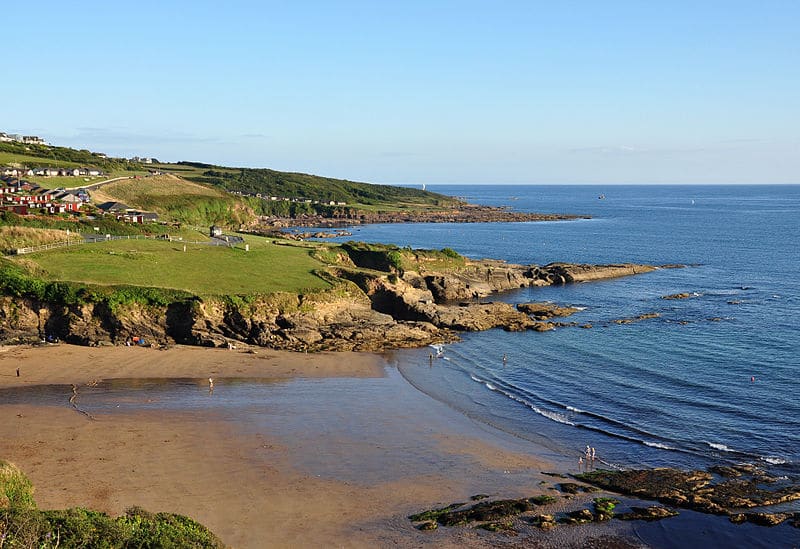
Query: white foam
x=717, y=446
x=490, y=386
x=774, y=460
x=473, y=378
x=657, y=445
x=559, y=418
x=573, y=409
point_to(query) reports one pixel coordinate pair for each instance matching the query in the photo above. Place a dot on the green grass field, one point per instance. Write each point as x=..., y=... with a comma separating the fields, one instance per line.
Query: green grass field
x=202, y=270
x=8, y=158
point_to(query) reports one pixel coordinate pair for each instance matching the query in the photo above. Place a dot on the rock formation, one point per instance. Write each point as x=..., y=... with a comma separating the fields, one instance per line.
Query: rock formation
x=365, y=311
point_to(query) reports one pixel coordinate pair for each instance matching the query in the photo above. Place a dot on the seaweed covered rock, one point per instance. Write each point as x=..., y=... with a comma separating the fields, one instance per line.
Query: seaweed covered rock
x=698, y=490
x=654, y=512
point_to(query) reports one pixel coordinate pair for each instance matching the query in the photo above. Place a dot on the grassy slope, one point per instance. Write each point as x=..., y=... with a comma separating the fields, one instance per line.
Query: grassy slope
x=19, y=237
x=201, y=270
x=297, y=185
x=176, y=199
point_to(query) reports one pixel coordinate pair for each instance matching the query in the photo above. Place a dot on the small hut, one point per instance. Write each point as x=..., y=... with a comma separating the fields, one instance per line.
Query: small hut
x=215, y=232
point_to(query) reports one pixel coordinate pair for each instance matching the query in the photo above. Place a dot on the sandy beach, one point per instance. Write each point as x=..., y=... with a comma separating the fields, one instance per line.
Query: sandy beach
x=332, y=469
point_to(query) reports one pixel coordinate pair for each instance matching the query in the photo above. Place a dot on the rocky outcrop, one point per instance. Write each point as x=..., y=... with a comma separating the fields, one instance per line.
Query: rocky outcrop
x=373, y=308
x=700, y=491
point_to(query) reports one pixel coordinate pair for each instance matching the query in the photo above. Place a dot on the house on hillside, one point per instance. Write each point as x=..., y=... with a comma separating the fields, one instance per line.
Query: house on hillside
x=214, y=231
x=33, y=140
x=114, y=207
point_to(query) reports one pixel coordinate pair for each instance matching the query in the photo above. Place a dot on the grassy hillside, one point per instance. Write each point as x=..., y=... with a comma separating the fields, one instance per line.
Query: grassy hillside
x=201, y=270
x=300, y=185
x=12, y=237
x=176, y=199
x=62, y=157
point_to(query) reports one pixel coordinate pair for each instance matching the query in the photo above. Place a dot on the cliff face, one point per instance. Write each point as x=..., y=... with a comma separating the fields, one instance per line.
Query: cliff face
x=373, y=312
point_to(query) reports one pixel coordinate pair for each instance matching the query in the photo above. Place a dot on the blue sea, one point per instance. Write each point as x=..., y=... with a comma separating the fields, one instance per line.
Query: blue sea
x=713, y=379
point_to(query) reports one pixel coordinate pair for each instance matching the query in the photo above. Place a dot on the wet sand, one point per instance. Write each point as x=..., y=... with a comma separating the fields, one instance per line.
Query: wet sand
x=335, y=470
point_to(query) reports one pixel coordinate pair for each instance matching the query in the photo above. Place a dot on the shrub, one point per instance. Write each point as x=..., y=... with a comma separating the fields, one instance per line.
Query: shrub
x=451, y=253
x=16, y=491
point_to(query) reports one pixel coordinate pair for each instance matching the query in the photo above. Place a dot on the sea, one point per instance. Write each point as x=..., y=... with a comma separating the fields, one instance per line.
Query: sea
x=713, y=379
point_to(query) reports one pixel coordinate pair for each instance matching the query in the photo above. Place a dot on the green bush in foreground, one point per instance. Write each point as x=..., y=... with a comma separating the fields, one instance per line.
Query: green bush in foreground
x=16, y=491
x=23, y=525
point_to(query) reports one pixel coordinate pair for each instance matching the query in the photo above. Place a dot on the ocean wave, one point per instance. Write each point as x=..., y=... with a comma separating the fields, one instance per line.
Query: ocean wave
x=574, y=409
x=657, y=445
x=718, y=446
x=555, y=416
x=774, y=460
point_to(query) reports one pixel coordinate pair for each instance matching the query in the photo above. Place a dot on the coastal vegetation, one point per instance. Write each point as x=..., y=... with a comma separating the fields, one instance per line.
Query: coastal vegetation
x=13, y=236
x=22, y=524
x=315, y=188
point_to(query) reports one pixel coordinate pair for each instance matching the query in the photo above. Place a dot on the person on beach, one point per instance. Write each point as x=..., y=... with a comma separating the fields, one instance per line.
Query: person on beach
x=210, y=385
x=593, y=454
x=580, y=463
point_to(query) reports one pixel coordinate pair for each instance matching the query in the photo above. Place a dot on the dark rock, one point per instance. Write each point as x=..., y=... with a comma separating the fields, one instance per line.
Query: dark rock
x=505, y=526
x=573, y=488
x=683, y=295
x=695, y=489
x=767, y=519
x=637, y=318
x=545, y=522
x=738, y=518
x=543, y=311
x=478, y=497
x=428, y=525
x=581, y=516
x=654, y=512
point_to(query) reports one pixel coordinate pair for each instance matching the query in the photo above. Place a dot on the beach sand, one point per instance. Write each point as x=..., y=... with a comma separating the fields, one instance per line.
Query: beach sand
x=335, y=470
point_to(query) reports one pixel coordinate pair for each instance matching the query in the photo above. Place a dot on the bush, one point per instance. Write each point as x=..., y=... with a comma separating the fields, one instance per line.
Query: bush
x=16, y=491
x=451, y=253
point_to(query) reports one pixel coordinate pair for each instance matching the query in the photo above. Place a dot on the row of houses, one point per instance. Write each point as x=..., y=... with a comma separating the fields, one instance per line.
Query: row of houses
x=27, y=139
x=52, y=172
x=22, y=196
x=286, y=199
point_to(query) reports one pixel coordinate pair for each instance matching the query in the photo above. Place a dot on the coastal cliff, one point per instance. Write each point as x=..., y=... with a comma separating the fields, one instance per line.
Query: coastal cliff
x=374, y=305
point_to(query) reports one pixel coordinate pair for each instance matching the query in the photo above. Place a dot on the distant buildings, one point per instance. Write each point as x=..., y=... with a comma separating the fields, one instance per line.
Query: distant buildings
x=27, y=139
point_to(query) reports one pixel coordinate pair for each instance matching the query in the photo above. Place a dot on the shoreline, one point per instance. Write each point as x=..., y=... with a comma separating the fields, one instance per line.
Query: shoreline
x=468, y=213
x=335, y=449
x=320, y=478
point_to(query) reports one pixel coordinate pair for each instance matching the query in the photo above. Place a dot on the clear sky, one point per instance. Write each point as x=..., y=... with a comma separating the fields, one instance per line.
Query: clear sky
x=424, y=91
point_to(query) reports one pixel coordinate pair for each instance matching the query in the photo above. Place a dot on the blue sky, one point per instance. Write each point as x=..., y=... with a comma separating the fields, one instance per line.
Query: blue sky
x=419, y=91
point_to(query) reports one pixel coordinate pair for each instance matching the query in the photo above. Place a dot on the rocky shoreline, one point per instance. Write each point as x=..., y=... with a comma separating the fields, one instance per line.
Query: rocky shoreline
x=742, y=493
x=371, y=307
x=467, y=213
